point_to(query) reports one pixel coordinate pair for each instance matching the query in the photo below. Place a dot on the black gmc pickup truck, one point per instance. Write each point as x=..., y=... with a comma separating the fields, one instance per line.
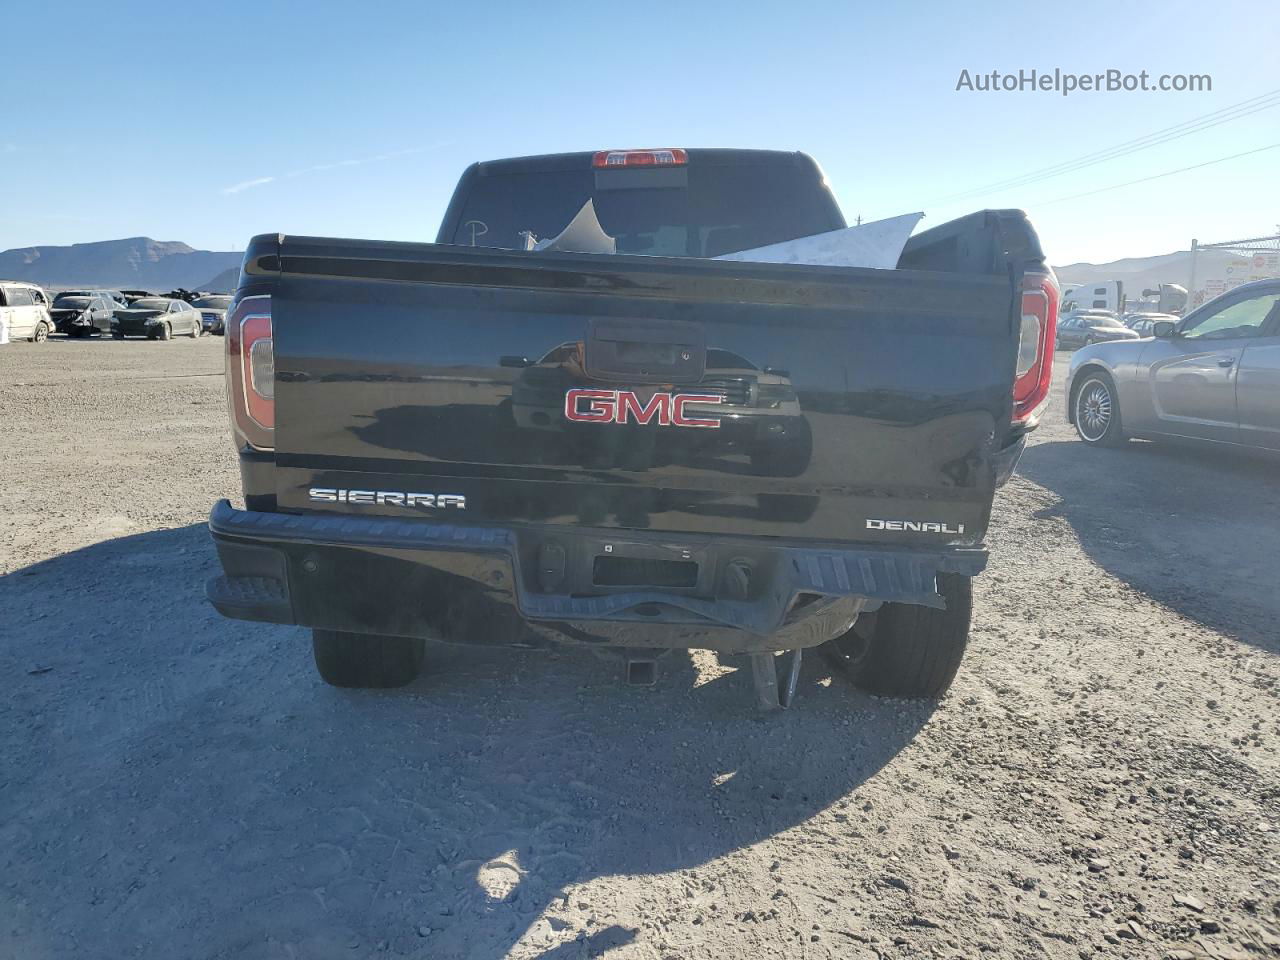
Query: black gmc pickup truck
x=476, y=442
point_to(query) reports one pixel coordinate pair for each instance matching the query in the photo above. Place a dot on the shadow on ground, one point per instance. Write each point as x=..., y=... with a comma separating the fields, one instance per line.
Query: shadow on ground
x=181, y=785
x=1196, y=529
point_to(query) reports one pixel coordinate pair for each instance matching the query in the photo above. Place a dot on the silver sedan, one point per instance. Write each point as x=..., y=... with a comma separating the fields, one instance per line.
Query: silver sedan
x=1214, y=375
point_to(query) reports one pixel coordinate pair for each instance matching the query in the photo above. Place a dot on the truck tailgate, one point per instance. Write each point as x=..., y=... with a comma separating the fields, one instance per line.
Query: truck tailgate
x=690, y=396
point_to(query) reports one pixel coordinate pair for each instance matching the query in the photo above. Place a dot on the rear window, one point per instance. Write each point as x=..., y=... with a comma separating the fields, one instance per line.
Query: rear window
x=693, y=211
x=69, y=303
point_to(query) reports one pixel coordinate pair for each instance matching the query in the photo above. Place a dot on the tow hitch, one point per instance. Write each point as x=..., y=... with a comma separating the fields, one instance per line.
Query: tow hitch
x=642, y=671
x=774, y=675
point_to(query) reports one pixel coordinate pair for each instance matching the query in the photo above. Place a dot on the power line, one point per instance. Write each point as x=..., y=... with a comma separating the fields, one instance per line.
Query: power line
x=1121, y=150
x=1158, y=176
x=1116, y=153
x=1253, y=105
x=1264, y=101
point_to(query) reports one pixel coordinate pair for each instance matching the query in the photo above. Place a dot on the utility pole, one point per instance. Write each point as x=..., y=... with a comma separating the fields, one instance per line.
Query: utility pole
x=858, y=221
x=1191, y=280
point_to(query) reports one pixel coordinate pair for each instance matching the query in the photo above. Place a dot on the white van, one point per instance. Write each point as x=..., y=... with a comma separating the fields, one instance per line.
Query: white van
x=24, y=312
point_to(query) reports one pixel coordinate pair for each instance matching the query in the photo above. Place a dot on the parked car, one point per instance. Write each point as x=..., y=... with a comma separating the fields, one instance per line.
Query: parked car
x=648, y=512
x=156, y=318
x=1142, y=323
x=190, y=296
x=117, y=297
x=82, y=314
x=131, y=295
x=1093, y=312
x=24, y=311
x=213, y=312
x=1086, y=327
x=1090, y=312
x=1213, y=375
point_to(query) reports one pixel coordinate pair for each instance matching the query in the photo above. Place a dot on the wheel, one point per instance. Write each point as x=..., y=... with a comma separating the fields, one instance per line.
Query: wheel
x=42, y=332
x=1096, y=411
x=195, y=330
x=166, y=332
x=910, y=650
x=116, y=335
x=366, y=660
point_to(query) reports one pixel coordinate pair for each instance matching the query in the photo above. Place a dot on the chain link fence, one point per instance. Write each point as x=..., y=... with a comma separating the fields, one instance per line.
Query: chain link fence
x=1259, y=259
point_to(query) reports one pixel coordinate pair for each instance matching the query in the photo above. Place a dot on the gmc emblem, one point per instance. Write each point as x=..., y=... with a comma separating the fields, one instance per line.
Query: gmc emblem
x=623, y=406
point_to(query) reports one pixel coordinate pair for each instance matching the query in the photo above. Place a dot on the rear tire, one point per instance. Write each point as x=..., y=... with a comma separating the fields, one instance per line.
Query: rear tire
x=42, y=332
x=915, y=651
x=196, y=331
x=366, y=660
x=117, y=336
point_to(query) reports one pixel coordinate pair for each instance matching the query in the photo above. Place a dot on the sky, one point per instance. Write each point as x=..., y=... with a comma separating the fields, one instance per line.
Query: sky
x=211, y=123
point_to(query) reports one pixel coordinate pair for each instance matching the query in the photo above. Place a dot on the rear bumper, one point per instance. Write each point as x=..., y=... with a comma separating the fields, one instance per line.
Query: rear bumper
x=527, y=587
x=1006, y=461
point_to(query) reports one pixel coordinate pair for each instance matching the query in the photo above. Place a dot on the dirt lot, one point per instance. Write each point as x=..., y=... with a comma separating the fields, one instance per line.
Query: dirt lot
x=1103, y=779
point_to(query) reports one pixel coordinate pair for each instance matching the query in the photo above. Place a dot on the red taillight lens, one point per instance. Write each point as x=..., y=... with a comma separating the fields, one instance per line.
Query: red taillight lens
x=251, y=370
x=640, y=158
x=1039, y=326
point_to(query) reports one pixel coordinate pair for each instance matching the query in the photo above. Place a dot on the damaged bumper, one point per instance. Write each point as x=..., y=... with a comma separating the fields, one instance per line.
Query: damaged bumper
x=529, y=587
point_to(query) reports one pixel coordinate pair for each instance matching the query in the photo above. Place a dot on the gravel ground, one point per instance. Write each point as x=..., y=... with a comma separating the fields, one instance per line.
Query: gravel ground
x=1103, y=779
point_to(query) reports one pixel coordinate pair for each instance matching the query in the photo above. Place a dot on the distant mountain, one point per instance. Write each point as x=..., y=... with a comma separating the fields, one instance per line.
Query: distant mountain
x=143, y=263
x=1139, y=273
x=138, y=262
x=225, y=282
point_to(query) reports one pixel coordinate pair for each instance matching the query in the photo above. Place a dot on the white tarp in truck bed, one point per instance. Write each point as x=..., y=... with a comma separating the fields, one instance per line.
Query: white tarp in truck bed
x=583, y=235
x=877, y=245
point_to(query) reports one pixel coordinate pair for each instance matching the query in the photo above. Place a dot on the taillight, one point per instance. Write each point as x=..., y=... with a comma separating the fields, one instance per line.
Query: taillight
x=640, y=158
x=1039, y=325
x=251, y=370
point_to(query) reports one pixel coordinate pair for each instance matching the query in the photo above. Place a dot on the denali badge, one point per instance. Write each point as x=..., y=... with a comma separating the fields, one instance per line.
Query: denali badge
x=388, y=498
x=622, y=406
x=916, y=526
